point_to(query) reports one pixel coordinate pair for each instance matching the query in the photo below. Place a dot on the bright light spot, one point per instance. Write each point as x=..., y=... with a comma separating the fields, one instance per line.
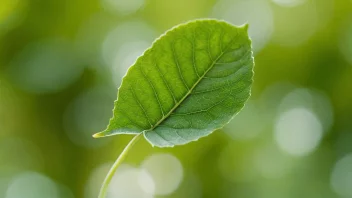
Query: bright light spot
x=123, y=7
x=272, y=94
x=45, y=67
x=127, y=55
x=293, y=27
x=289, y=3
x=346, y=40
x=166, y=171
x=271, y=163
x=341, y=177
x=125, y=184
x=315, y=101
x=298, y=131
x=32, y=185
x=257, y=13
x=96, y=178
x=296, y=98
x=87, y=114
x=240, y=126
x=124, y=44
x=146, y=182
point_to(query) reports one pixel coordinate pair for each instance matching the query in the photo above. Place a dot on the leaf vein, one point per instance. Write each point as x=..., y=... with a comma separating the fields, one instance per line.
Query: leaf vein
x=154, y=90
x=132, y=121
x=178, y=65
x=140, y=105
x=202, y=110
x=195, y=84
x=193, y=54
x=219, y=88
x=166, y=83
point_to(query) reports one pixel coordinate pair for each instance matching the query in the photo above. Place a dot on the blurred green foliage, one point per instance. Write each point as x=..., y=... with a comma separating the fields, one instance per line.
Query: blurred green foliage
x=61, y=62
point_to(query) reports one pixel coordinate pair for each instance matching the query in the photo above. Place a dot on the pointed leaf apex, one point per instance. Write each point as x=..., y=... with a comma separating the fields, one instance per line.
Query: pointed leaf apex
x=245, y=26
x=98, y=135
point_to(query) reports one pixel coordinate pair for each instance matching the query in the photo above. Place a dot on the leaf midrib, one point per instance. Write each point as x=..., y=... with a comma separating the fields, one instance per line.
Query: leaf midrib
x=190, y=90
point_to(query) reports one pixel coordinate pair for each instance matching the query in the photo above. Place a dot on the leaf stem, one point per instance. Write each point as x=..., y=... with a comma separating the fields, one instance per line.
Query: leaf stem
x=122, y=156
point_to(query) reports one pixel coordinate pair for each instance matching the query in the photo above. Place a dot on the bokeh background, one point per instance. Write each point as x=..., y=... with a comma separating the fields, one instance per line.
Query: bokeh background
x=61, y=62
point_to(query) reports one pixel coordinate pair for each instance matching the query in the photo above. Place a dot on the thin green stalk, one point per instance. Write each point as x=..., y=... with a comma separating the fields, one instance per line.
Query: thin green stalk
x=104, y=187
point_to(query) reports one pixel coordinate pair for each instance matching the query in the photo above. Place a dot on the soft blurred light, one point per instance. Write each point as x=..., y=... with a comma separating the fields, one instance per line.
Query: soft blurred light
x=59, y=58
x=345, y=41
x=257, y=13
x=295, y=25
x=88, y=114
x=289, y=3
x=241, y=127
x=124, y=44
x=89, y=38
x=341, y=176
x=127, y=55
x=32, y=185
x=4, y=182
x=45, y=67
x=297, y=97
x=96, y=178
x=146, y=182
x=123, y=7
x=271, y=163
x=315, y=101
x=325, y=11
x=298, y=131
x=166, y=172
x=273, y=93
x=125, y=184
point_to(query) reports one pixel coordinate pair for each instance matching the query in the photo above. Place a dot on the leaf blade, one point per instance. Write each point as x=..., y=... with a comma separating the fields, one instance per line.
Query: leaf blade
x=165, y=98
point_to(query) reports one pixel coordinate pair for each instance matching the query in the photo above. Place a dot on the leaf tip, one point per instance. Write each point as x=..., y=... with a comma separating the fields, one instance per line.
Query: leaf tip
x=98, y=135
x=245, y=26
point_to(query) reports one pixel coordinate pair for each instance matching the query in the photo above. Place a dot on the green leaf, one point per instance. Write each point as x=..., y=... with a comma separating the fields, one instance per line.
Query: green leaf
x=192, y=81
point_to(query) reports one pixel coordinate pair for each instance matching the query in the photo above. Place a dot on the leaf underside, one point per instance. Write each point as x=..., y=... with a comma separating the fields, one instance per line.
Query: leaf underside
x=192, y=81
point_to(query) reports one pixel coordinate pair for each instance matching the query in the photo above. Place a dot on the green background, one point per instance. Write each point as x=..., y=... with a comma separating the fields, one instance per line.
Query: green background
x=61, y=62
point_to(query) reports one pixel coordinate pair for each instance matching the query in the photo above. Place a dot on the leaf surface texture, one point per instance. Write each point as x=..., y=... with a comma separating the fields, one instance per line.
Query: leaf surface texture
x=192, y=81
